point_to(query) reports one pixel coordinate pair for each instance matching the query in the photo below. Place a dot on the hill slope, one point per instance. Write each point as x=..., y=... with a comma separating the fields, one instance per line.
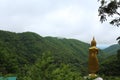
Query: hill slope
x=20, y=50
x=112, y=50
x=110, y=66
x=24, y=54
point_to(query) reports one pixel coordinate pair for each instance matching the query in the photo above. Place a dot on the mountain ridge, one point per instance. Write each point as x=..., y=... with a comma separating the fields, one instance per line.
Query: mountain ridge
x=112, y=50
x=24, y=54
x=18, y=50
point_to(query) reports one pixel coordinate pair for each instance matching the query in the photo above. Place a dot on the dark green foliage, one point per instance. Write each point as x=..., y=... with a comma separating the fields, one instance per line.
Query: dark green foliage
x=22, y=52
x=111, y=66
x=110, y=77
x=32, y=57
x=46, y=68
x=112, y=50
x=118, y=55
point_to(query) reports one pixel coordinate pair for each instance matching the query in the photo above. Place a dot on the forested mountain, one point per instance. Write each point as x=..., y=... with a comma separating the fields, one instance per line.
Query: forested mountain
x=30, y=56
x=19, y=52
x=112, y=50
x=110, y=66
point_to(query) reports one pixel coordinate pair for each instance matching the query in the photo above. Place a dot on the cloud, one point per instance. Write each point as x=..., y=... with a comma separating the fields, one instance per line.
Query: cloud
x=70, y=15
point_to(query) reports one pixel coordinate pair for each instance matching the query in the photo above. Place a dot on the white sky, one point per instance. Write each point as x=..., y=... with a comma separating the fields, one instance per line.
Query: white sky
x=76, y=19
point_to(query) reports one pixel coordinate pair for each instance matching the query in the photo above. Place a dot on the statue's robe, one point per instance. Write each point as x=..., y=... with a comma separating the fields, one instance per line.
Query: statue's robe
x=93, y=61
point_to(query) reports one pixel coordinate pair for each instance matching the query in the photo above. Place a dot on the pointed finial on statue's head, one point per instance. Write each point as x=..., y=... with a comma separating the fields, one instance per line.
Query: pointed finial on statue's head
x=93, y=42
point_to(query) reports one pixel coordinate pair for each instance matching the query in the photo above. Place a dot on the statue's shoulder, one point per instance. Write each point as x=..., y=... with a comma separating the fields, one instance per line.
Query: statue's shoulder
x=93, y=47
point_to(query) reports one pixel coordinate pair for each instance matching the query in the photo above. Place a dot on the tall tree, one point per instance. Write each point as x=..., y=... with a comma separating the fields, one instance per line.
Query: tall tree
x=109, y=9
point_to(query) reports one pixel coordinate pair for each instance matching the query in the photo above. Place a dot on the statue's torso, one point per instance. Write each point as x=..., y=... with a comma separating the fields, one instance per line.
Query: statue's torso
x=93, y=61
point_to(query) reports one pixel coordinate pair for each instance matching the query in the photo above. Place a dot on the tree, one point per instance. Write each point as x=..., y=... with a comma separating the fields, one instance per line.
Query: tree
x=110, y=9
x=118, y=40
x=118, y=55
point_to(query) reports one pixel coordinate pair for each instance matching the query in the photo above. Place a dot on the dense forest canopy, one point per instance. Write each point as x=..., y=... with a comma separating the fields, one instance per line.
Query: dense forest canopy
x=30, y=56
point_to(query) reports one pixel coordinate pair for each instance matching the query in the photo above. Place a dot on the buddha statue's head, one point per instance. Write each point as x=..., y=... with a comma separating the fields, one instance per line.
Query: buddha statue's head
x=93, y=42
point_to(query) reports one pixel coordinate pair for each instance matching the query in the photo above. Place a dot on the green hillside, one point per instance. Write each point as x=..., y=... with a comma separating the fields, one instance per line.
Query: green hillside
x=19, y=52
x=30, y=56
x=112, y=50
x=71, y=46
x=110, y=66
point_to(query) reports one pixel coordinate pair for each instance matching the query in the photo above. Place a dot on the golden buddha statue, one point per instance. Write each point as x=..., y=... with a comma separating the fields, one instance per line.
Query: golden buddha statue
x=93, y=61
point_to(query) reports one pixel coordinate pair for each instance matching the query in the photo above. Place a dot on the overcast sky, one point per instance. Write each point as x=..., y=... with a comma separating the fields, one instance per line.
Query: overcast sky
x=76, y=19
